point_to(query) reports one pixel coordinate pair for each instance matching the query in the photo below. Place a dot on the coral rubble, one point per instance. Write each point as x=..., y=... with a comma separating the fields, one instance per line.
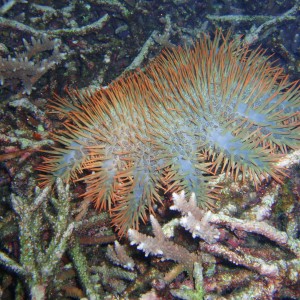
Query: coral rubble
x=273, y=274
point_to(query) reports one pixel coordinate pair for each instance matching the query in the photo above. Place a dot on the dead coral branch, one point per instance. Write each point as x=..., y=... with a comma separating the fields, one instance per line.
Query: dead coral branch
x=27, y=67
x=273, y=269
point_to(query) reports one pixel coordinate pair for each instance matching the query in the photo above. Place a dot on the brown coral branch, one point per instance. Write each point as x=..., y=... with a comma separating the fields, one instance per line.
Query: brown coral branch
x=119, y=257
x=161, y=246
x=258, y=227
x=91, y=240
x=238, y=257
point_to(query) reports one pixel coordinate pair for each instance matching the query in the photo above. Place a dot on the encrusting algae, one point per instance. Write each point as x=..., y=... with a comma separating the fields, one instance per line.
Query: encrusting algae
x=217, y=106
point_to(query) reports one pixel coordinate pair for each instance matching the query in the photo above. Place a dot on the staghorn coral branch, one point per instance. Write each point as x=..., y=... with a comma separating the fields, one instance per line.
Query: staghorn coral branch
x=268, y=21
x=258, y=227
x=239, y=18
x=119, y=257
x=143, y=52
x=237, y=257
x=159, y=245
x=220, y=281
x=275, y=272
x=26, y=70
x=15, y=25
x=84, y=30
x=8, y=5
x=113, y=277
x=186, y=207
x=288, y=15
x=197, y=222
x=93, y=27
x=9, y=263
x=38, y=262
x=81, y=265
x=194, y=219
x=278, y=269
x=113, y=3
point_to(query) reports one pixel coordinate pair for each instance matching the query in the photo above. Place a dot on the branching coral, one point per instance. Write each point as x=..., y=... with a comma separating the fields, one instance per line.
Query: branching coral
x=97, y=277
x=38, y=259
x=268, y=22
x=274, y=274
x=23, y=68
x=161, y=246
x=151, y=132
x=47, y=233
